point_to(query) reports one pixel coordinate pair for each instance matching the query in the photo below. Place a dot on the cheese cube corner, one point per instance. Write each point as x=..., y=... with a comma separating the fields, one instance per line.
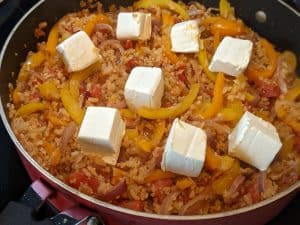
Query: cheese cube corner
x=254, y=141
x=144, y=87
x=185, y=149
x=232, y=56
x=101, y=132
x=78, y=52
x=185, y=37
x=134, y=26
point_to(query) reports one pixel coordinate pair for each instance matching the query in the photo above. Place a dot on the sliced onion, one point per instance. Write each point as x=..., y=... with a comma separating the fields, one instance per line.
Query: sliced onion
x=115, y=191
x=115, y=44
x=104, y=28
x=167, y=203
x=235, y=185
x=190, y=207
x=67, y=134
x=261, y=178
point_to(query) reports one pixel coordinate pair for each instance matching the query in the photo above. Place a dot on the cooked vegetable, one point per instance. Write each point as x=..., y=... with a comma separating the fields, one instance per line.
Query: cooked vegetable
x=171, y=112
x=203, y=61
x=217, y=102
x=213, y=161
x=225, y=9
x=185, y=183
x=71, y=104
x=95, y=19
x=158, y=174
x=49, y=90
x=168, y=21
x=224, y=27
x=52, y=40
x=30, y=108
x=254, y=73
x=168, y=4
x=148, y=145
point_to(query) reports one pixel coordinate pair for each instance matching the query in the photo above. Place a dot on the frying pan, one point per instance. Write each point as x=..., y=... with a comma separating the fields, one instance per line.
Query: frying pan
x=281, y=27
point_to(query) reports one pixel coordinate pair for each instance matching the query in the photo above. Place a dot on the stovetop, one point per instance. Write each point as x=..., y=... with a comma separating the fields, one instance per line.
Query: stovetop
x=13, y=178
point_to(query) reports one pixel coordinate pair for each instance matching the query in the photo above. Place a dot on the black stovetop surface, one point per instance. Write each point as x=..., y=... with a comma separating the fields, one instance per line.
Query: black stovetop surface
x=13, y=178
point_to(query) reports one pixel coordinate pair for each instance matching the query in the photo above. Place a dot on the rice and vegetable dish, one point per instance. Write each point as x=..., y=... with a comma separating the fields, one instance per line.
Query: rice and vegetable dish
x=161, y=107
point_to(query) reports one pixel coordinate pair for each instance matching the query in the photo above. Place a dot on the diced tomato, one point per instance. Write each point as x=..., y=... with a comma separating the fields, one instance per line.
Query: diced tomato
x=95, y=91
x=77, y=178
x=159, y=185
x=131, y=64
x=269, y=90
x=128, y=44
x=133, y=204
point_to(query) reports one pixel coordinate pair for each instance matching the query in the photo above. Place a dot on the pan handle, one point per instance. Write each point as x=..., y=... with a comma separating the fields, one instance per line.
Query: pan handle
x=68, y=212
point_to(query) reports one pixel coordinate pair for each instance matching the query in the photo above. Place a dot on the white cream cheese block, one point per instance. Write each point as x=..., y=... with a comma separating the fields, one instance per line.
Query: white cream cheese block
x=185, y=149
x=254, y=141
x=101, y=132
x=144, y=87
x=78, y=52
x=232, y=56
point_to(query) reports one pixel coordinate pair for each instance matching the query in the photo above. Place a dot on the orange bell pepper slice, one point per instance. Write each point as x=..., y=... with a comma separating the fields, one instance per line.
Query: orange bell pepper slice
x=30, y=108
x=168, y=21
x=254, y=73
x=217, y=102
x=185, y=183
x=158, y=175
x=213, y=161
x=224, y=27
x=173, y=111
x=52, y=40
x=99, y=18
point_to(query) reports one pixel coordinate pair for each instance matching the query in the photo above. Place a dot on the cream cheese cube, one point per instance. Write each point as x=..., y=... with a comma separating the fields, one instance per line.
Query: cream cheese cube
x=185, y=37
x=144, y=87
x=78, y=52
x=102, y=131
x=185, y=149
x=232, y=56
x=254, y=141
x=134, y=26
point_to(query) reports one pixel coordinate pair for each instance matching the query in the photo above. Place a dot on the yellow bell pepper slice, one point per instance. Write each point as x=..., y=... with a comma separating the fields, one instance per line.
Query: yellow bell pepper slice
x=33, y=60
x=254, y=73
x=223, y=183
x=52, y=40
x=158, y=174
x=118, y=174
x=148, y=145
x=213, y=161
x=217, y=101
x=173, y=111
x=49, y=90
x=224, y=27
x=30, y=108
x=225, y=9
x=99, y=18
x=232, y=112
x=71, y=104
x=84, y=74
x=127, y=113
x=167, y=4
x=185, y=183
x=203, y=61
x=132, y=133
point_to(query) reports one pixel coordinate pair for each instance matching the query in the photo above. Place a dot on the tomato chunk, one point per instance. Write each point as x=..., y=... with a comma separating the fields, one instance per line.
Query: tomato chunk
x=133, y=204
x=77, y=178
